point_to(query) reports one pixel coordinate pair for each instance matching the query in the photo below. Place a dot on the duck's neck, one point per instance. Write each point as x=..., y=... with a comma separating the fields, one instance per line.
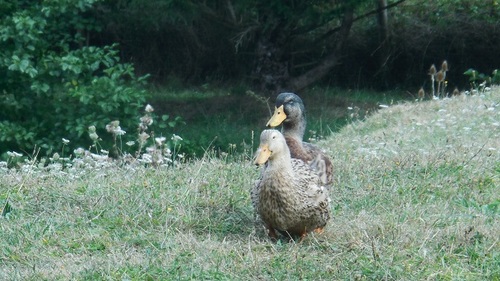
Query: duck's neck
x=281, y=164
x=295, y=129
x=281, y=184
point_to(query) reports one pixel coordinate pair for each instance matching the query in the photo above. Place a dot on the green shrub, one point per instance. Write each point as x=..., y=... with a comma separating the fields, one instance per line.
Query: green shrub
x=54, y=86
x=478, y=81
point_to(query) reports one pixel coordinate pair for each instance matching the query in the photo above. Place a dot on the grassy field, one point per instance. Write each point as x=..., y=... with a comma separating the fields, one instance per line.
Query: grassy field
x=224, y=120
x=416, y=197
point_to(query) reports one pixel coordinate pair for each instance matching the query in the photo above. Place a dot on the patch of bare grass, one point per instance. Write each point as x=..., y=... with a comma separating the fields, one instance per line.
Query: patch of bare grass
x=415, y=197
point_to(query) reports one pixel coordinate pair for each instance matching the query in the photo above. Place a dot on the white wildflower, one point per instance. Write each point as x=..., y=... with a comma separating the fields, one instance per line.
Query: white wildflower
x=149, y=108
x=146, y=120
x=176, y=138
x=55, y=157
x=146, y=158
x=65, y=141
x=14, y=154
x=98, y=157
x=143, y=136
x=79, y=151
x=93, y=136
x=119, y=132
x=160, y=140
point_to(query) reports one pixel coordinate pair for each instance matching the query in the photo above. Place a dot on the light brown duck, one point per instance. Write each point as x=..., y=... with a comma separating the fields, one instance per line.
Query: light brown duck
x=289, y=196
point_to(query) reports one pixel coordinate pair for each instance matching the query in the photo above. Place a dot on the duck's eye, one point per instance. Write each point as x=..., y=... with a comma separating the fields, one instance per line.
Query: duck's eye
x=274, y=137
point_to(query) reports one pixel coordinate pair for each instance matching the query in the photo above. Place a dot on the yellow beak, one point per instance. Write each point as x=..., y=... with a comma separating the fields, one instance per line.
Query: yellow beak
x=263, y=154
x=278, y=117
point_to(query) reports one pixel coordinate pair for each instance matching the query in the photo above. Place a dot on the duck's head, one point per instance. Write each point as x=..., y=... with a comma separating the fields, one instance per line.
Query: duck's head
x=272, y=144
x=289, y=108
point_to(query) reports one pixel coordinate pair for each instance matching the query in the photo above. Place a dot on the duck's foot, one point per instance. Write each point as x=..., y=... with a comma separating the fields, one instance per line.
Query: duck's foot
x=302, y=236
x=319, y=230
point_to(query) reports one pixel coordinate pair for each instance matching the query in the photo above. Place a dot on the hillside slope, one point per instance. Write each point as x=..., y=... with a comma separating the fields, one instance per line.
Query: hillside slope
x=418, y=188
x=416, y=196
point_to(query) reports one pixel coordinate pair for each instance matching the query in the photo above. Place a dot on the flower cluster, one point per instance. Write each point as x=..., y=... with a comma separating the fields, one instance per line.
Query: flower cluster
x=440, y=77
x=146, y=150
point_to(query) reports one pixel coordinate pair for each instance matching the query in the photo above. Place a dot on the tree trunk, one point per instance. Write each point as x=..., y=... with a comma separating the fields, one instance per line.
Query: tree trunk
x=384, y=53
x=271, y=70
x=382, y=19
x=273, y=57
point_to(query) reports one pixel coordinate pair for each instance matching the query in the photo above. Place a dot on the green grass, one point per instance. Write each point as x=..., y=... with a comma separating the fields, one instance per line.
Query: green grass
x=231, y=120
x=416, y=197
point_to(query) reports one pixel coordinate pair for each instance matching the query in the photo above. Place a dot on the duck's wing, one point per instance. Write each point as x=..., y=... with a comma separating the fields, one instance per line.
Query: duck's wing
x=309, y=181
x=319, y=165
x=314, y=196
x=320, y=161
x=313, y=155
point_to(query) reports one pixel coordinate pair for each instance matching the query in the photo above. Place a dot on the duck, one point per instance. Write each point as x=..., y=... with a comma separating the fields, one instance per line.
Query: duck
x=289, y=196
x=290, y=112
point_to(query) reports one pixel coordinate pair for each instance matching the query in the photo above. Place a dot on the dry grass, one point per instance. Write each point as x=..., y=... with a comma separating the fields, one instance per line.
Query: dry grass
x=415, y=197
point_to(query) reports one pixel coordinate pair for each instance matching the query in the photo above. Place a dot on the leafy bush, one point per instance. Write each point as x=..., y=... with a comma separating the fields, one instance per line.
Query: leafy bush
x=54, y=86
x=479, y=81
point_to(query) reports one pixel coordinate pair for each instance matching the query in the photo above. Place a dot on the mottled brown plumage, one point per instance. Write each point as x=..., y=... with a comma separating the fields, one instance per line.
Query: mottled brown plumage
x=289, y=197
x=290, y=113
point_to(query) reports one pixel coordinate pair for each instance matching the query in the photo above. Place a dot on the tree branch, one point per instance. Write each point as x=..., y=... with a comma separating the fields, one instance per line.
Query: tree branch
x=332, y=31
x=330, y=61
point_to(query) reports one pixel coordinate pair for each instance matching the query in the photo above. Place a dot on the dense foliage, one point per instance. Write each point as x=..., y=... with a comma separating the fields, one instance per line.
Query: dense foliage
x=267, y=42
x=219, y=41
x=67, y=65
x=462, y=32
x=53, y=84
